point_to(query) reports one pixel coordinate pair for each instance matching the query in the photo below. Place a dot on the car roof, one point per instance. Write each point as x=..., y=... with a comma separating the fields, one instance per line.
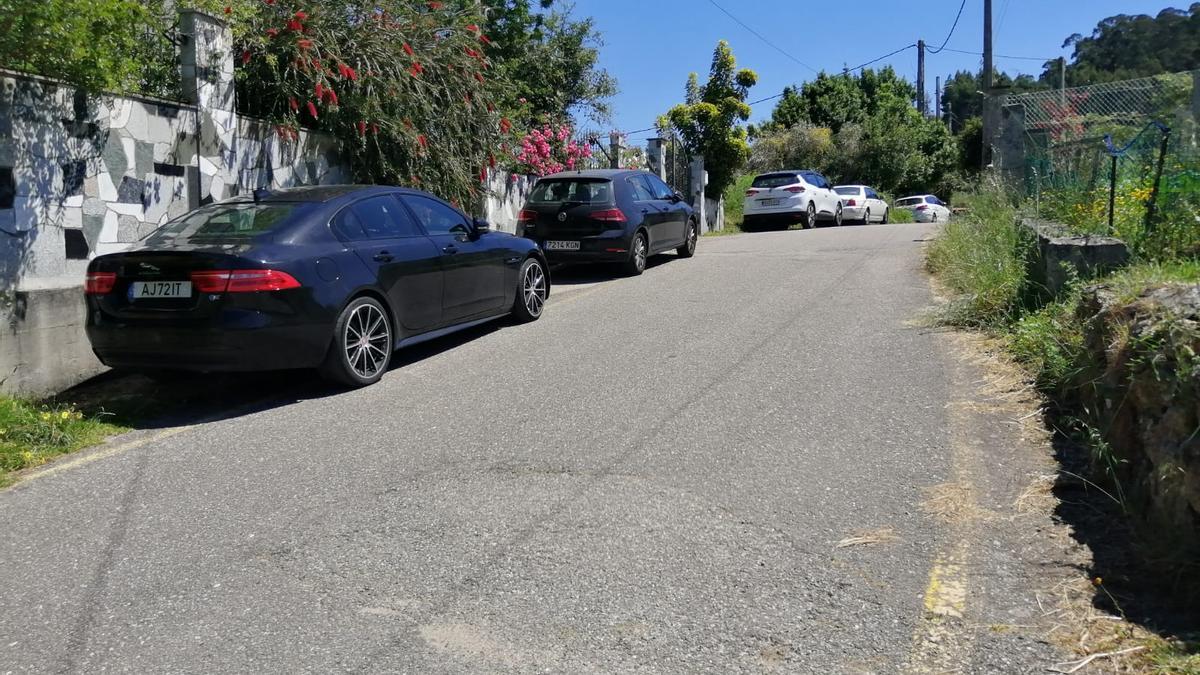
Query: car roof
x=853, y=185
x=594, y=173
x=318, y=194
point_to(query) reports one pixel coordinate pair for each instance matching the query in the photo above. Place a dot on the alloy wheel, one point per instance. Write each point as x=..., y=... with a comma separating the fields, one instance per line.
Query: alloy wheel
x=837, y=216
x=812, y=215
x=533, y=286
x=639, y=252
x=367, y=340
x=691, y=238
x=867, y=217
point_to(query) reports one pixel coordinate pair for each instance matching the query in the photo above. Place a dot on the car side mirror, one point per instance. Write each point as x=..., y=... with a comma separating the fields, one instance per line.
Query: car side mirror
x=481, y=226
x=676, y=197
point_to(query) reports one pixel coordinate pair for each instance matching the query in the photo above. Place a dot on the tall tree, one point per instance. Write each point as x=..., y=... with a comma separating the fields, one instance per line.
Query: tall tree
x=1125, y=46
x=710, y=126
x=549, y=57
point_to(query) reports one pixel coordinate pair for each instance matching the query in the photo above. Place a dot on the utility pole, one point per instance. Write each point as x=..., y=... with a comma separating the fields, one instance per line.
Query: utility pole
x=937, y=97
x=1062, y=82
x=921, y=77
x=987, y=47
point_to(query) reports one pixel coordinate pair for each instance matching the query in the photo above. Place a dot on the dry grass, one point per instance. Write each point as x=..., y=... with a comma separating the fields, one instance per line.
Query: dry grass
x=883, y=535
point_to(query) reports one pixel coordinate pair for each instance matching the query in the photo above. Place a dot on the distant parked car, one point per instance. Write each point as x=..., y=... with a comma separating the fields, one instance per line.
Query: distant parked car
x=781, y=198
x=925, y=208
x=332, y=277
x=608, y=215
x=862, y=203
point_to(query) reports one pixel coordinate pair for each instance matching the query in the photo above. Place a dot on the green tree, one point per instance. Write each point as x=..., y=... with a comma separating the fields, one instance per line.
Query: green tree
x=833, y=100
x=1123, y=47
x=549, y=58
x=710, y=125
x=790, y=110
x=99, y=45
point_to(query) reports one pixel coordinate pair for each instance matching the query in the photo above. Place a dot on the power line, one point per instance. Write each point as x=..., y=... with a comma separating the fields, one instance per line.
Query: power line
x=951, y=33
x=1005, y=56
x=760, y=36
x=765, y=99
x=902, y=49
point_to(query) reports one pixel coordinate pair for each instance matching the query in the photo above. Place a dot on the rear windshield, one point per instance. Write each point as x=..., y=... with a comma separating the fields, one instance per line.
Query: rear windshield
x=933, y=200
x=572, y=190
x=228, y=222
x=774, y=180
x=910, y=201
x=850, y=191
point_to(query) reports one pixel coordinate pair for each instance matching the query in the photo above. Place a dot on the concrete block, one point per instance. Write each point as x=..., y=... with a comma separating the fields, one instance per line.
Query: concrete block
x=143, y=157
x=72, y=218
x=1060, y=256
x=43, y=347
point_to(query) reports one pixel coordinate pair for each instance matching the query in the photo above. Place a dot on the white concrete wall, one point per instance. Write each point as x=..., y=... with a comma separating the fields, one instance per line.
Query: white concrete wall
x=505, y=195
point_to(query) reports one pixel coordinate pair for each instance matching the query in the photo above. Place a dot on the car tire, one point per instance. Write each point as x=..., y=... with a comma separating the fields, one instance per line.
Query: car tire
x=362, y=344
x=885, y=217
x=810, y=216
x=838, y=217
x=531, y=292
x=689, y=243
x=867, y=217
x=933, y=218
x=639, y=251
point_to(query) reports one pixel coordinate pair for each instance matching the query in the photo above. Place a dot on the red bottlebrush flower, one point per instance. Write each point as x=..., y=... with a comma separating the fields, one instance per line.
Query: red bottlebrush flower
x=319, y=90
x=505, y=125
x=483, y=174
x=422, y=141
x=473, y=28
x=304, y=44
x=362, y=128
x=374, y=128
x=269, y=2
x=245, y=56
x=407, y=50
x=472, y=53
x=479, y=77
x=333, y=96
x=316, y=63
x=492, y=161
x=434, y=5
x=347, y=72
x=228, y=9
x=312, y=109
x=295, y=25
x=272, y=32
x=300, y=15
x=416, y=69
x=491, y=108
x=484, y=39
x=293, y=104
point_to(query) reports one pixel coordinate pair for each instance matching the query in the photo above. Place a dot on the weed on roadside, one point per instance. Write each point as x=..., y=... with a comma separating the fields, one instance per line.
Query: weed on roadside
x=32, y=434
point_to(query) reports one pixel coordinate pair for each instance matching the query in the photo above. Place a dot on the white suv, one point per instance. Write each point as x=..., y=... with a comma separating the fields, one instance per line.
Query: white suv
x=925, y=208
x=786, y=197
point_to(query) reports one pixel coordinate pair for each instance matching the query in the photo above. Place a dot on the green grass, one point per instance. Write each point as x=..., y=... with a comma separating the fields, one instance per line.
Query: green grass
x=735, y=201
x=900, y=216
x=32, y=434
x=980, y=256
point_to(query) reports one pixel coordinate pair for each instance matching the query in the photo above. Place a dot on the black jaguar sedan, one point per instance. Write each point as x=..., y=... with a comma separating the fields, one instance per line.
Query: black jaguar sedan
x=333, y=277
x=608, y=215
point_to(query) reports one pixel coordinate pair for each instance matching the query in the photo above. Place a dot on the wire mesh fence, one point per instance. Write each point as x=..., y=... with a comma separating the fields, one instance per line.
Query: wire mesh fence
x=677, y=163
x=1120, y=158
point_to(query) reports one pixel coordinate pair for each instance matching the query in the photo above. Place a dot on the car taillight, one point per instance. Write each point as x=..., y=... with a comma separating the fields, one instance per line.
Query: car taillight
x=242, y=281
x=796, y=189
x=751, y=192
x=527, y=216
x=608, y=216
x=851, y=203
x=921, y=207
x=99, y=283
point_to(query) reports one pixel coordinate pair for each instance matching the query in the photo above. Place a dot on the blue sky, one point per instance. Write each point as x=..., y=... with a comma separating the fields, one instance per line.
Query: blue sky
x=652, y=45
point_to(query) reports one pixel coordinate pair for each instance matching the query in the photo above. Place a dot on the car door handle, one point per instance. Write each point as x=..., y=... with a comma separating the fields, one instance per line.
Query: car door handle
x=450, y=249
x=384, y=256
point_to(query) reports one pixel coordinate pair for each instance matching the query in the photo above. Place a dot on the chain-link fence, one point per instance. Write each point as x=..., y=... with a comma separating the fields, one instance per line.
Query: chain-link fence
x=677, y=162
x=1121, y=158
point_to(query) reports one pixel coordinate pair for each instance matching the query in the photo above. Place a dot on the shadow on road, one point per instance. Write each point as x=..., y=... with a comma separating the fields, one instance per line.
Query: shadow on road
x=1138, y=578
x=140, y=401
x=580, y=275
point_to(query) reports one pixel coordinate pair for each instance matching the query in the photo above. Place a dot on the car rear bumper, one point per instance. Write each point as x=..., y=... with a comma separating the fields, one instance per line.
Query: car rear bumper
x=854, y=212
x=236, y=341
x=607, y=247
x=766, y=217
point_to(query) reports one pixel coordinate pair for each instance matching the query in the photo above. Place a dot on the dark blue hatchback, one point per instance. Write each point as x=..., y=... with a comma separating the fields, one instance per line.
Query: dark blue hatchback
x=332, y=277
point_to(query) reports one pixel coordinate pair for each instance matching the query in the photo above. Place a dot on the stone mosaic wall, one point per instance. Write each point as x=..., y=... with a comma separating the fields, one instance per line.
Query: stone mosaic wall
x=82, y=175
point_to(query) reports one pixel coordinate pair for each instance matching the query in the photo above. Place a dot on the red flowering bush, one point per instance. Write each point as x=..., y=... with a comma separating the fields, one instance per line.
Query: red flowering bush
x=550, y=150
x=406, y=86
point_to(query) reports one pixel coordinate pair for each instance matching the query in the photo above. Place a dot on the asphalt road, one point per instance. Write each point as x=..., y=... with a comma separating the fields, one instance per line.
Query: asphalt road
x=654, y=477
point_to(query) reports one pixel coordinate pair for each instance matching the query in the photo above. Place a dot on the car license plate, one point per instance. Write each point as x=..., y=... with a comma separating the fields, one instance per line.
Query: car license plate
x=768, y=202
x=146, y=290
x=562, y=246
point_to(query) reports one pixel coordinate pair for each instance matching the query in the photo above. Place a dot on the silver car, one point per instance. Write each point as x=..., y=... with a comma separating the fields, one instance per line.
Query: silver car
x=862, y=203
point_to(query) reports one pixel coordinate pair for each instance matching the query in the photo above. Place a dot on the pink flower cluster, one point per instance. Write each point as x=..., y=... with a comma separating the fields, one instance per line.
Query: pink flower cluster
x=546, y=150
